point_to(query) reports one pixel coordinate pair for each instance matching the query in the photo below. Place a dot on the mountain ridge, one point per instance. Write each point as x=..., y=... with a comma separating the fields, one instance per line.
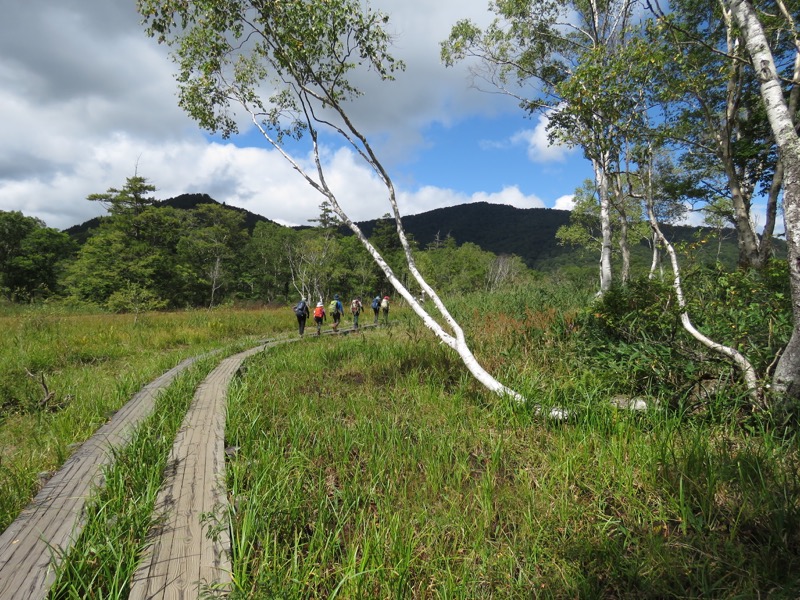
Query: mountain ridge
x=529, y=233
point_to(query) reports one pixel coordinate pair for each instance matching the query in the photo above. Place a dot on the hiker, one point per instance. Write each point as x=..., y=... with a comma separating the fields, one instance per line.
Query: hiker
x=376, y=307
x=385, y=308
x=319, y=316
x=302, y=312
x=355, y=308
x=337, y=310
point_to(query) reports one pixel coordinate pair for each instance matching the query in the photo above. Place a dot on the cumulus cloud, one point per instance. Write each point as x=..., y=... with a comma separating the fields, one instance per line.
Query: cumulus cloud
x=565, y=202
x=97, y=103
x=538, y=146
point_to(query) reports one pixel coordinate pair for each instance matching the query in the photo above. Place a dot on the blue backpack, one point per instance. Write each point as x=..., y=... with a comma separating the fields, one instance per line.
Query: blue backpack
x=376, y=303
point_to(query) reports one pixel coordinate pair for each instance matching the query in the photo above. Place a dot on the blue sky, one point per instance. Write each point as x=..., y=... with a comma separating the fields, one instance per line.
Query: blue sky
x=97, y=102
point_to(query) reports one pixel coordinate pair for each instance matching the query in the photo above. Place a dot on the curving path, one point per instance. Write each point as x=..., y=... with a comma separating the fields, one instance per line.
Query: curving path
x=181, y=557
x=181, y=561
x=54, y=517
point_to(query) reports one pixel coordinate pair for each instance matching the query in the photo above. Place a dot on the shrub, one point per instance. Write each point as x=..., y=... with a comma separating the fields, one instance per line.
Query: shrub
x=635, y=333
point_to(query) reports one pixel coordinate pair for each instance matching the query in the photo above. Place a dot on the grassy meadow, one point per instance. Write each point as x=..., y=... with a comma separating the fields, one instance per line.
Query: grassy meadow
x=64, y=373
x=373, y=466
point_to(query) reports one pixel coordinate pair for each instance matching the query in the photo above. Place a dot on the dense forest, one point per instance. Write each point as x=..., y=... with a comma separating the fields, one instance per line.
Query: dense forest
x=191, y=251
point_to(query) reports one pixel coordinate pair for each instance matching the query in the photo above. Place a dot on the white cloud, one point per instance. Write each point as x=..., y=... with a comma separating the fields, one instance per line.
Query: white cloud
x=96, y=102
x=538, y=146
x=510, y=195
x=565, y=202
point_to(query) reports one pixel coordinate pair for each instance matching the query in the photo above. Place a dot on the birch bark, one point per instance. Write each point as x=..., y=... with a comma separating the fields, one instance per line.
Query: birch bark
x=787, y=372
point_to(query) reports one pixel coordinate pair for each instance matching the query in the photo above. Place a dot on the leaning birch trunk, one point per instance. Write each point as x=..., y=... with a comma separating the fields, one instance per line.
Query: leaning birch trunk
x=289, y=68
x=738, y=359
x=786, y=379
x=455, y=341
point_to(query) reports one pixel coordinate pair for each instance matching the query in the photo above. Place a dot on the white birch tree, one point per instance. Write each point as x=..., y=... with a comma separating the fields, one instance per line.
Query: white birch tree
x=290, y=65
x=530, y=51
x=787, y=372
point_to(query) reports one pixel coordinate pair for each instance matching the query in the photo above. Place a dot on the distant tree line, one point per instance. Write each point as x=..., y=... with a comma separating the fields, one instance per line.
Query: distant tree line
x=145, y=255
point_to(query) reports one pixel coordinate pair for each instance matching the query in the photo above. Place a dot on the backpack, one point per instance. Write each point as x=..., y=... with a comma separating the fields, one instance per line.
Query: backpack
x=300, y=309
x=319, y=312
x=334, y=307
x=384, y=304
x=376, y=303
x=355, y=306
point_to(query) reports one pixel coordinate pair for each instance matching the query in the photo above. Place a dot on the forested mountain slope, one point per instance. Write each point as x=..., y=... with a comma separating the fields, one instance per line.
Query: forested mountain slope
x=528, y=233
x=184, y=201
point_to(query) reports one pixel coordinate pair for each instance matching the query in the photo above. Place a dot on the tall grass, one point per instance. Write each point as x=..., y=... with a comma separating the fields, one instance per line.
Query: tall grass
x=65, y=373
x=103, y=559
x=371, y=466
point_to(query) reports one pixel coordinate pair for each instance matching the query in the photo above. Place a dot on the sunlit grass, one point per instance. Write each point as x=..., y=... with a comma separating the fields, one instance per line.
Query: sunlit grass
x=65, y=373
x=374, y=466
x=120, y=514
x=370, y=466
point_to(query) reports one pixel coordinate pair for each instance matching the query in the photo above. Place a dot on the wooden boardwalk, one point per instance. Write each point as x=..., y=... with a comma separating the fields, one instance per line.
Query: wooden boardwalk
x=182, y=561
x=54, y=518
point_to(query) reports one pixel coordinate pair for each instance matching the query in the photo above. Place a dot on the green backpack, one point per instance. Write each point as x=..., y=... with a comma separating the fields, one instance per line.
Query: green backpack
x=332, y=308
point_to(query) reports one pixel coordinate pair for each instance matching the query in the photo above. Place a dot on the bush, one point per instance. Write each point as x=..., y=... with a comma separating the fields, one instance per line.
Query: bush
x=635, y=333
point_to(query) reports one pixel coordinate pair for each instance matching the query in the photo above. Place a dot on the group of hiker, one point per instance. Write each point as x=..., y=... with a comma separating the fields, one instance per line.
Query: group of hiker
x=336, y=311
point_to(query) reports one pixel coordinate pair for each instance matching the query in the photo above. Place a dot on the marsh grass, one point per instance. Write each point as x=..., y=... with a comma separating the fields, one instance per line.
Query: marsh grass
x=119, y=515
x=91, y=364
x=373, y=466
x=370, y=466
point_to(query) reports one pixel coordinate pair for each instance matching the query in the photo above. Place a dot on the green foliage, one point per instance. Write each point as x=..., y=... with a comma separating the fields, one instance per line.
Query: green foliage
x=128, y=202
x=452, y=269
x=32, y=257
x=210, y=252
x=636, y=334
x=268, y=272
x=749, y=310
x=134, y=299
x=303, y=51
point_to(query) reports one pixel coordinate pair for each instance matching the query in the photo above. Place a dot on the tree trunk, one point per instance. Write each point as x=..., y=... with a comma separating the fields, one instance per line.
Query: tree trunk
x=765, y=250
x=786, y=379
x=745, y=230
x=736, y=357
x=723, y=132
x=455, y=340
x=601, y=180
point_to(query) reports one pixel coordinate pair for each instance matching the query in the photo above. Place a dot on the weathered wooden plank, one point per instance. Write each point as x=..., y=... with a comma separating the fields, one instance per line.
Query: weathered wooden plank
x=181, y=560
x=53, y=519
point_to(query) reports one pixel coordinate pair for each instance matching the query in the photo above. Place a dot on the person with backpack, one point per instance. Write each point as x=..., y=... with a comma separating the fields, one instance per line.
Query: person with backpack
x=355, y=308
x=319, y=316
x=337, y=310
x=302, y=312
x=376, y=307
x=385, y=308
